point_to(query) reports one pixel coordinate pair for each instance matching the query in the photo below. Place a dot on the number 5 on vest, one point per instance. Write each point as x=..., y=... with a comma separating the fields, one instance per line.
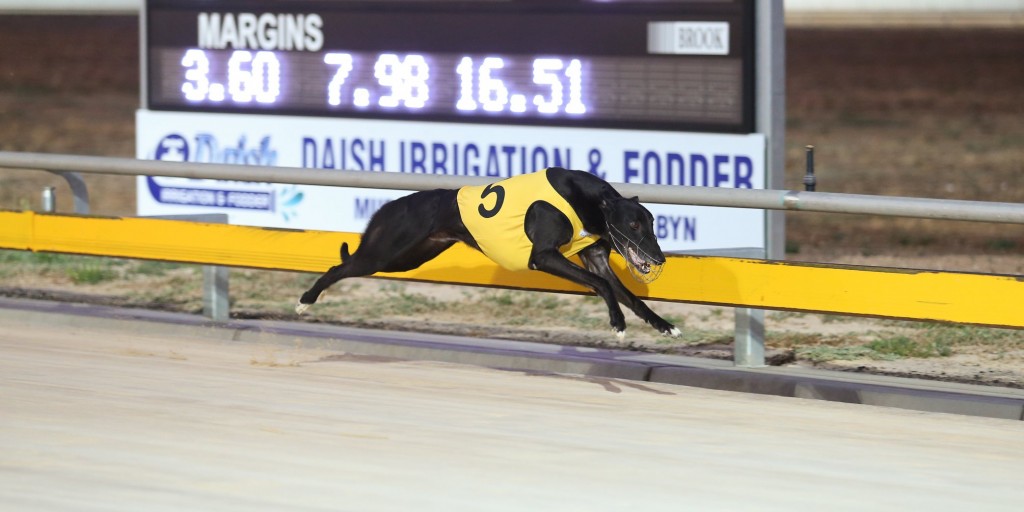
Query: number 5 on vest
x=499, y=191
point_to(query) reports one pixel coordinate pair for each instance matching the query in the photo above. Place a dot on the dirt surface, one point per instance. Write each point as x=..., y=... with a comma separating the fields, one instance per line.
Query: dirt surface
x=915, y=112
x=114, y=419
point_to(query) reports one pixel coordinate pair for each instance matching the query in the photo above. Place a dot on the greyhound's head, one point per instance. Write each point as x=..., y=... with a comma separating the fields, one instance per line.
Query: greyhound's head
x=631, y=230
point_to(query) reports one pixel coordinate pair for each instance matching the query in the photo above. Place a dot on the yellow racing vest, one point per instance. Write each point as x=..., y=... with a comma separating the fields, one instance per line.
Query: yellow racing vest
x=495, y=215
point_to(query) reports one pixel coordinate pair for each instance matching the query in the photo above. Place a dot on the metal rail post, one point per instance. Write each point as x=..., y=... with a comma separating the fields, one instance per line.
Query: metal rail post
x=216, y=299
x=769, y=119
x=78, y=190
x=49, y=200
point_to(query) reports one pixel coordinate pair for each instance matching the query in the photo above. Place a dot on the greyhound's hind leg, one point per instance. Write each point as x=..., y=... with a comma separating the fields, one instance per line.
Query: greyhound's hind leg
x=353, y=267
x=402, y=235
x=363, y=264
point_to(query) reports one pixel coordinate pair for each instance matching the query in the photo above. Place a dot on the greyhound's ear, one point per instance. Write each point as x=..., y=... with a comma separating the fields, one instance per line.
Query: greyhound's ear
x=636, y=199
x=603, y=205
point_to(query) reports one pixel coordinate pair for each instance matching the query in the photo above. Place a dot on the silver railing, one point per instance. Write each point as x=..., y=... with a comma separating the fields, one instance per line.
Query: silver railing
x=946, y=209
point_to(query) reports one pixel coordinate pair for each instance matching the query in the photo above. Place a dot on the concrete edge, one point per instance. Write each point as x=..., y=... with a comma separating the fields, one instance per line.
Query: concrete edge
x=913, y=394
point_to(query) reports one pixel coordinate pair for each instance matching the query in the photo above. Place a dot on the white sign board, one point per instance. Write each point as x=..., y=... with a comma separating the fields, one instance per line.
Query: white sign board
x=626, y=156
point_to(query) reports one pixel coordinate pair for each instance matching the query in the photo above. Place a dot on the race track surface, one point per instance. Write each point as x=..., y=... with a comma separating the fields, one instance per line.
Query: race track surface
x=105, y=419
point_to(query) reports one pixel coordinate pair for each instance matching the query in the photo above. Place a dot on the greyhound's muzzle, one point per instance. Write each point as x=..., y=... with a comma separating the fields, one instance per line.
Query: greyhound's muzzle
x=644, y=267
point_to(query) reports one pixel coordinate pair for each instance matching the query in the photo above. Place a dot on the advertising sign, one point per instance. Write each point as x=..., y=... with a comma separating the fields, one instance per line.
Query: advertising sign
x=624, y=156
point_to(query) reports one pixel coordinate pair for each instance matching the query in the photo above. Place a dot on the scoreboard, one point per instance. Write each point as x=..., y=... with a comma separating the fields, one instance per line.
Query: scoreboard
x=658, y=92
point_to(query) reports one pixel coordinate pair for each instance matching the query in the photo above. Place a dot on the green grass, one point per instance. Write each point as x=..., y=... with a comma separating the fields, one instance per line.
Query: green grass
x=900, y=347
x=888, y=349
x=792, y=247
x=779, y=316
x=827, y=318
x=914, y=240
x=521, y=299
x=825, y=353
x=586, y=318
x=692, y=336
x=155, y=268
x=91, y=272
x=79, y=269
x=1002, y=244
x=913, y=340
x=37, y=258
x=953, y=335
x=399, y=301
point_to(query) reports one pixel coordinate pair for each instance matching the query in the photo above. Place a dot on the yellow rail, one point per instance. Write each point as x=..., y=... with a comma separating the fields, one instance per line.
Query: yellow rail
x=873, y=291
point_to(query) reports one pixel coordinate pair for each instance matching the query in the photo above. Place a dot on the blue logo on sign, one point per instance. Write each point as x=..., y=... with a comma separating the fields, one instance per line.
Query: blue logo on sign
x=172, y=148
x=206, y=149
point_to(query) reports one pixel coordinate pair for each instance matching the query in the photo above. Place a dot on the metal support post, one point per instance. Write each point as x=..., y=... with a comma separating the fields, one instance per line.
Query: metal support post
x=748, y=341
x=810, y=181
x=216, y=304
x=770, y=119
x=78, y=190
x=49, y=200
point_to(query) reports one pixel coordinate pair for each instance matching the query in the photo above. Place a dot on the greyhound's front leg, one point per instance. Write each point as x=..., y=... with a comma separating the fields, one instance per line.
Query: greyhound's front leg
x=553, y=262
x=595, y=258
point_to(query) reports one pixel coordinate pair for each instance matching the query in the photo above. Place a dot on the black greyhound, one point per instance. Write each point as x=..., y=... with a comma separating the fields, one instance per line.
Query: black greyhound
x=409, y=231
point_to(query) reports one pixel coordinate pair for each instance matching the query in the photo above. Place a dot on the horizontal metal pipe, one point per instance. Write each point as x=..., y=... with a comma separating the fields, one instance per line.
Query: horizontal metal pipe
x=95, y=7
x=947, y=209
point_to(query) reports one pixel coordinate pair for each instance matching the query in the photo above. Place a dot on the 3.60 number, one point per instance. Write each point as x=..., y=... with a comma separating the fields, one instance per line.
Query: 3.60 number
x=251, y=76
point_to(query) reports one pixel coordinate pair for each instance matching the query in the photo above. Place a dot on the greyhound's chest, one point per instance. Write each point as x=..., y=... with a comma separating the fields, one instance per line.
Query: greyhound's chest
x=495, y=215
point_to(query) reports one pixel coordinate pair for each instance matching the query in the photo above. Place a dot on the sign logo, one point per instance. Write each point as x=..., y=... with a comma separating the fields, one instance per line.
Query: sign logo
x=172, y=148
x=206, y=149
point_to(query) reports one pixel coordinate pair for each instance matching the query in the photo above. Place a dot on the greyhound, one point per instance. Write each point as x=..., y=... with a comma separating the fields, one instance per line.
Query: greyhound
x=533, y=221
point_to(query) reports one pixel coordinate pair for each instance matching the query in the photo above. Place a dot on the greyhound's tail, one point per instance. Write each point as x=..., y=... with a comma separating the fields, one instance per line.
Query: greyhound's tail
x=344, y=252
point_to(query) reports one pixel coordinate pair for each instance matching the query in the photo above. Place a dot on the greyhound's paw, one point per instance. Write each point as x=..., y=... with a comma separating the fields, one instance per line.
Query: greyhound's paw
x=675, y=332
x=621, y=335
x=301, y=308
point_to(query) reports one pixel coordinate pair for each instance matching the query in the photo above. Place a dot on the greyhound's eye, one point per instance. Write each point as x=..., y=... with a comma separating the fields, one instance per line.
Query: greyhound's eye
x=635, y=226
